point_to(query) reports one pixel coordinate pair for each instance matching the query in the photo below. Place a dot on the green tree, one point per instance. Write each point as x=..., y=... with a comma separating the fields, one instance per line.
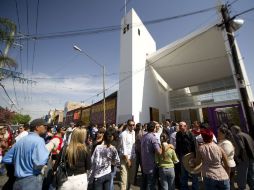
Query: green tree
x=6, y=115
x=7, y=32
x=21, y=119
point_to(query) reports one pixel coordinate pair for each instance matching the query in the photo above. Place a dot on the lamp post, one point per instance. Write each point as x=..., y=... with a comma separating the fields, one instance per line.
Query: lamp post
x=103, y=80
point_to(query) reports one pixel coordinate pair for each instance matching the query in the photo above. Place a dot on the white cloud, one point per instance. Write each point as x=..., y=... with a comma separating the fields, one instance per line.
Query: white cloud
x=52, y=92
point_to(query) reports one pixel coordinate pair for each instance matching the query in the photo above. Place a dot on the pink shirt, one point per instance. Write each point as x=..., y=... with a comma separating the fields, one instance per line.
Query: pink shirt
x=211, y=155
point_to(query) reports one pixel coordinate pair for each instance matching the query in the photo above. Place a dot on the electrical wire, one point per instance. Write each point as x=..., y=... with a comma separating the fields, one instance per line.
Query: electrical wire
x=150, y=64
x=36, y=32
x=27, y=25
x=98, y=30
x=230, y=4
x=27, y=53
x=6, y=93
x=15, y=91
x=17, y=11
x=19, y=29
x=7, y=104
x=244, y=12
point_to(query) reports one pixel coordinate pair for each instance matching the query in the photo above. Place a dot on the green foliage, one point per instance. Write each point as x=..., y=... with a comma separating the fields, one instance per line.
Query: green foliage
x=7, y=33
x=5, y=115
x=6, y=28
x=7, y=61
x=21, y=119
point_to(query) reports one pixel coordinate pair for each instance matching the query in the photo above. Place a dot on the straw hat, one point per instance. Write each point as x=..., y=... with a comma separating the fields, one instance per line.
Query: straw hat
x=189, y=165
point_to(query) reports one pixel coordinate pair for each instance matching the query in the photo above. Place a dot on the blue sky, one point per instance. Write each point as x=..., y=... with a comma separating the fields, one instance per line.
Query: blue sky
x=63, y=74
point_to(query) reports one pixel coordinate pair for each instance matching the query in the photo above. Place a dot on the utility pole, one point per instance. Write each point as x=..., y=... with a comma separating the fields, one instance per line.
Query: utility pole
x=246, y=105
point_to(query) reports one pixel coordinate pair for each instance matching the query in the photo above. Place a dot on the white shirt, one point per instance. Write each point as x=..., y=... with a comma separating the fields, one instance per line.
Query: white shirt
x=158, y=135
x=229, y=149
x=69, y=132
x=127, y=140
x=53, y=144
x=200, y=139
x=173, y=138
x=21, y=135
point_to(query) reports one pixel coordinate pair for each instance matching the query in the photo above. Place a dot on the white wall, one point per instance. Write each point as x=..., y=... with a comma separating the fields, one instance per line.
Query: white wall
x=138, y=87
x=154, y=95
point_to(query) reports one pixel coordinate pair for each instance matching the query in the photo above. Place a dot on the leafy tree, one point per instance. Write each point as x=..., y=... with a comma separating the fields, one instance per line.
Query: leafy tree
x=7, y=32
x=21, y=119
x=6, y=115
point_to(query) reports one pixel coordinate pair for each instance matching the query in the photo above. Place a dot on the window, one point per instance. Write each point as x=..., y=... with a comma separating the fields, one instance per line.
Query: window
x=138, y=32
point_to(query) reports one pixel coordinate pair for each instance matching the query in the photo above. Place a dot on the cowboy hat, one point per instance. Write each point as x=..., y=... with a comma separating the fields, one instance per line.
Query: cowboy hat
x=188, y=163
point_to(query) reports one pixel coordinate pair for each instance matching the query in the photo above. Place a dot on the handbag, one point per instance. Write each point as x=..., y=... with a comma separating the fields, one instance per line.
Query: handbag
x=61, y=175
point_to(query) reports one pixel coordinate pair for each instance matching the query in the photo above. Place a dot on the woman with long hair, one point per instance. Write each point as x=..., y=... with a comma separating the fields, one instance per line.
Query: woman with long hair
x=166, y=163
x=104, y=156
x=226, y=142
x=78, y=161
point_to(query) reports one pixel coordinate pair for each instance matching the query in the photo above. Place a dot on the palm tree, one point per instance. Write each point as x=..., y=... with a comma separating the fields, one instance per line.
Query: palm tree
x=7, y=32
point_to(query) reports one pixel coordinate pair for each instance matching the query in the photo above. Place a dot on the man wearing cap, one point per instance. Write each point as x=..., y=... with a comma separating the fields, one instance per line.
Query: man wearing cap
x=29, y=155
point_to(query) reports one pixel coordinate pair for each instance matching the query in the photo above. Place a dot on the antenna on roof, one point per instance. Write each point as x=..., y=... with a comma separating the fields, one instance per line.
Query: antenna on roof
x=124, y=7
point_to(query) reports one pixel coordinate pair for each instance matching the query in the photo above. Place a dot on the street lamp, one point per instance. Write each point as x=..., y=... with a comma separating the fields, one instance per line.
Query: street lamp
x=103, y=80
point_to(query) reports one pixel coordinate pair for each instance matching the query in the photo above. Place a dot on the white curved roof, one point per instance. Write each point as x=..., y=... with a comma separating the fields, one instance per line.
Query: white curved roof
x=197, y=58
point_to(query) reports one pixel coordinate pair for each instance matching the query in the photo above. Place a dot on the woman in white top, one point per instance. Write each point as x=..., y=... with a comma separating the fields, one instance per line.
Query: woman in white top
x=226, y=142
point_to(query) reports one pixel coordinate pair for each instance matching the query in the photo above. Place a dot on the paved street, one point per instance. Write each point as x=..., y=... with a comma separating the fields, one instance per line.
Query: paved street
x=3, y=179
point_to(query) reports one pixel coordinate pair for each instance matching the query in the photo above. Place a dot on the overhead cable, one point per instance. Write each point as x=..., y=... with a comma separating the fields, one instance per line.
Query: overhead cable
x=98, y=30
x=36, y=32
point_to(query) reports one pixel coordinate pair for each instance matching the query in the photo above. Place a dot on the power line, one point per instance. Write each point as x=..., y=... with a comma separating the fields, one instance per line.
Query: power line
x=232, y=2
x=19, y=28
x=36, y=32
x=244, y=12
x=15, y=91
x=151, y=63
x=17, y=11
x=27, y=25
x=91, y=31
x=5, y=101
x=98, y=30
x=6, y=93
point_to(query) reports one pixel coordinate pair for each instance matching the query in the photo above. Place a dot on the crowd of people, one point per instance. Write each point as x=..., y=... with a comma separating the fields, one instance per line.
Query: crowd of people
x=168, y=155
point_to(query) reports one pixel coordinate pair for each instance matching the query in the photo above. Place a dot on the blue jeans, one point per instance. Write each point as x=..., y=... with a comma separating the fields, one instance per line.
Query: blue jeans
x=184, y=180
x=167, y=178
x=113, y=173
x=148, y=181
x=28, y=183
x=211, y=184
x=102, y=183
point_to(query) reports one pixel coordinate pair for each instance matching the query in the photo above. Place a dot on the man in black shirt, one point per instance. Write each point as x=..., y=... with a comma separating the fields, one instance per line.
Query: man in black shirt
x=185, y=143
x=244, y=158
